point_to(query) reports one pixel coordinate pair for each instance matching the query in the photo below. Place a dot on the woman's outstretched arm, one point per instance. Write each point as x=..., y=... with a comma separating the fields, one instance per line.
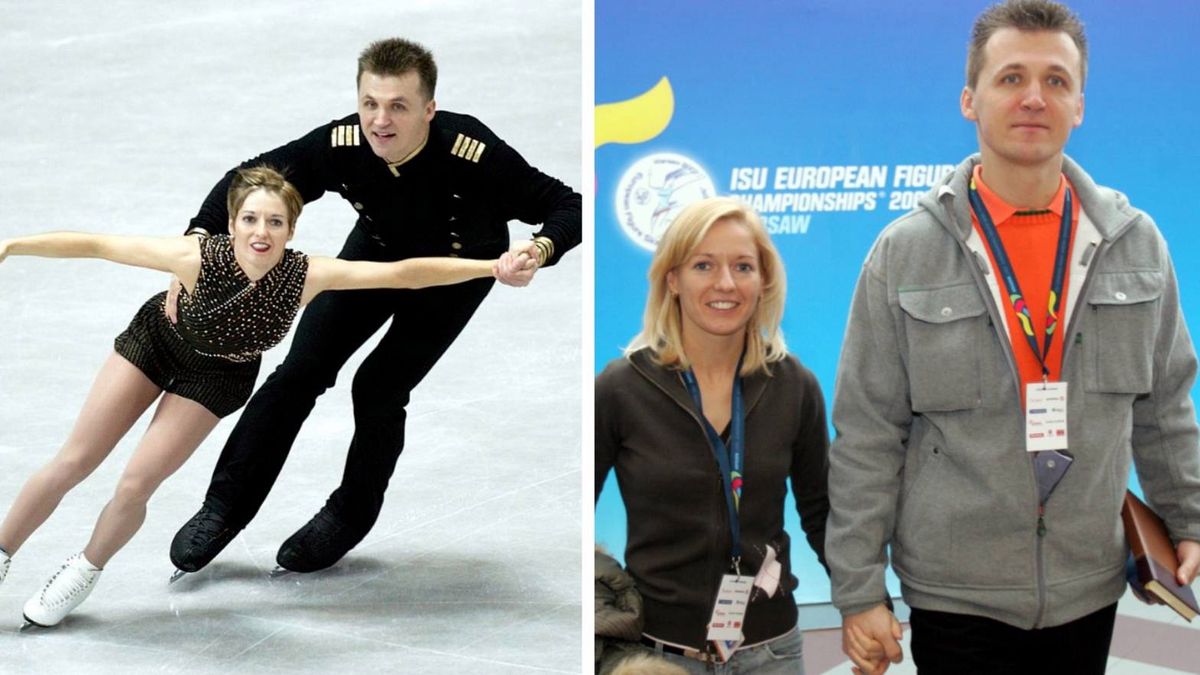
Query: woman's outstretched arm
x=178, y=255
x=335, y=274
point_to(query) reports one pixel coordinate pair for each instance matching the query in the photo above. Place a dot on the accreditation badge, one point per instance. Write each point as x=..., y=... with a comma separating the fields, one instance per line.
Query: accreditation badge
x=729, y=613
x=1045, y=416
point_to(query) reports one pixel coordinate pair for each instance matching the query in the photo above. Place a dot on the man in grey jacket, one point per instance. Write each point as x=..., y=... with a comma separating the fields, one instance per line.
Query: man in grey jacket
x=1000, y=504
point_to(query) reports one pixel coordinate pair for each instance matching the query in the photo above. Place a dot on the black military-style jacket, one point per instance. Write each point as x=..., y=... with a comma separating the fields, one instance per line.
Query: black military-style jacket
x=455, y=197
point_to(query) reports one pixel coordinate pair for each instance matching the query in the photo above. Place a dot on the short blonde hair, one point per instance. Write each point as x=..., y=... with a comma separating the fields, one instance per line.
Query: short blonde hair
x=662, y=326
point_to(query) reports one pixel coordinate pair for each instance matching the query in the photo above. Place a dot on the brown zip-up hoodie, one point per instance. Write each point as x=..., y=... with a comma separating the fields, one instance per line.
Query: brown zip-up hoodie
x=648, y=428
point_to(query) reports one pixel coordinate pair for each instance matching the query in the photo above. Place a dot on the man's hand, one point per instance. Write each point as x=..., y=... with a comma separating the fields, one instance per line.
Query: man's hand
x=171, y=304
x=872, y=640
x=517, y=266
x=1187, y=551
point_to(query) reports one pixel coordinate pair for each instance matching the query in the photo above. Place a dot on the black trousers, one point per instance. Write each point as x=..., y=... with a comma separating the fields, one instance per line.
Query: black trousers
x=424, y=324
x=958, y=643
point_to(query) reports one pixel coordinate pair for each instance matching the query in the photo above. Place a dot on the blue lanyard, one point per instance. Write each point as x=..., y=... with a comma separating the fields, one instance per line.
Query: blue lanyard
x=1010, y=278
x=730, y=459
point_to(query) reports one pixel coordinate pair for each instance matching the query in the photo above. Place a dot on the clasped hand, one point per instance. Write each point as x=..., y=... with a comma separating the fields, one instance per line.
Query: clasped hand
x=516, y=266
x=872, y=640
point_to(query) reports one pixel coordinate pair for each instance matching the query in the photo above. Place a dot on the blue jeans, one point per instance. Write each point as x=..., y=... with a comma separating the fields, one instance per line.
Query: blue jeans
x=783, y=655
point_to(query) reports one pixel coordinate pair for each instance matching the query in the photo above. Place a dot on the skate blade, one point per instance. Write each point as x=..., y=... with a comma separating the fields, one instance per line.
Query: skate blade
x=280, y=571
x=28, y=624
x=176, y=576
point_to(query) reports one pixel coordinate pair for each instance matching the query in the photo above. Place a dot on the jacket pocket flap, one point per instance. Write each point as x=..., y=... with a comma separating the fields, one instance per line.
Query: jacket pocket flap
x=942, y=305
x=1125, y=288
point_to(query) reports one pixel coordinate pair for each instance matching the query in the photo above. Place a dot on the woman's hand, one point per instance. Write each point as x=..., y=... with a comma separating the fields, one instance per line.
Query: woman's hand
x=516, y=266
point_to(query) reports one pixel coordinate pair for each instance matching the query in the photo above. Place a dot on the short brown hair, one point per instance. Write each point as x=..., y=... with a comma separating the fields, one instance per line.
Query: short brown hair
x=397, y=56
x=1024, y=15
x=264, y=178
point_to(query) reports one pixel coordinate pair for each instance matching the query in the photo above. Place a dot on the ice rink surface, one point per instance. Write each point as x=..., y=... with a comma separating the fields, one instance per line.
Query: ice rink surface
x=118, y=117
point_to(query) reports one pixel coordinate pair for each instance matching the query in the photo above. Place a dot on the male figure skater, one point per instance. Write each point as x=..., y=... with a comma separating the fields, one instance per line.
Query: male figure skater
x=422, y=182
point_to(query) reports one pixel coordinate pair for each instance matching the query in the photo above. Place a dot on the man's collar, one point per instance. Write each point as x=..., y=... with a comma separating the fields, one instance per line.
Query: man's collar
x=1001, y=211
x=415, y=151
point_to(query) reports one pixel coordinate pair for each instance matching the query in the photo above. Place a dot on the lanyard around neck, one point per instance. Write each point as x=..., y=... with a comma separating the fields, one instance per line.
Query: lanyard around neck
x=730, y=458
x=1010, y=278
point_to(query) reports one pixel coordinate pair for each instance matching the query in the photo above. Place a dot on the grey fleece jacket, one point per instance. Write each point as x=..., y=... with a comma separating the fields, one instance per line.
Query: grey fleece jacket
x=929, y=456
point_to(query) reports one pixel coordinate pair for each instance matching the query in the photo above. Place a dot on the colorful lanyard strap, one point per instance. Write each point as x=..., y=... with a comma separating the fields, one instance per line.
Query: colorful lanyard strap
x=730, y=458
x=1010, y=278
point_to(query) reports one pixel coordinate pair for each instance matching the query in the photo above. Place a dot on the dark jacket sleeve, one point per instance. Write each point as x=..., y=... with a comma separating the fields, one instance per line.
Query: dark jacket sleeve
x=533, y=197
x=302, y=162
x=810, y=465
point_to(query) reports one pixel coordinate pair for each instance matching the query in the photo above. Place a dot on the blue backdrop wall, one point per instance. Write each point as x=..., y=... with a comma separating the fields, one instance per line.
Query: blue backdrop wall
x=830, y=117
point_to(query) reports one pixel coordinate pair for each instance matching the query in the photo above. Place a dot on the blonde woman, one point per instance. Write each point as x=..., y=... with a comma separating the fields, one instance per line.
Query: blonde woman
x=240, y=295
x=705, y=420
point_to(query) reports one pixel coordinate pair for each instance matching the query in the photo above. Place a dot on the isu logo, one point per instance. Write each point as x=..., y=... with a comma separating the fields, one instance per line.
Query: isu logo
x=654, y=190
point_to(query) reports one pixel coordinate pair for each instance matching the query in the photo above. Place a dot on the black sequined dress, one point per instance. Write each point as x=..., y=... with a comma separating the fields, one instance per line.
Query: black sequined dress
x=212, y=355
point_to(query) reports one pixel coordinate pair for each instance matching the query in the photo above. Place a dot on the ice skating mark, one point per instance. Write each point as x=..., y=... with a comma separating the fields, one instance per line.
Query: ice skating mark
x=280, y=571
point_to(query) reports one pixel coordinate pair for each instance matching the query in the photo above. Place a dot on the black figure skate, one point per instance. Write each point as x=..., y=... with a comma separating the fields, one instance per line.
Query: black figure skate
x=317, y=545
x=199, y=541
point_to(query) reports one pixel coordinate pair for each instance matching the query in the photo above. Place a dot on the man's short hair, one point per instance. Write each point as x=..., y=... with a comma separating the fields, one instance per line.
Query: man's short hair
x=397, y=56
x=1024, y=15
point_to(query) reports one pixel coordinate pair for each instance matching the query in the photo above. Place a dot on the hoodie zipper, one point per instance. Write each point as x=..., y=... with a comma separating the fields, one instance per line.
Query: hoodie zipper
x=725, y=536
x=1007, y=349
x=1068, y=343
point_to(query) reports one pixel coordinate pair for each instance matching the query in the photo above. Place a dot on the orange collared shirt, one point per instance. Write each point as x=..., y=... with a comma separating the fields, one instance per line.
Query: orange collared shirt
x=1030, y=239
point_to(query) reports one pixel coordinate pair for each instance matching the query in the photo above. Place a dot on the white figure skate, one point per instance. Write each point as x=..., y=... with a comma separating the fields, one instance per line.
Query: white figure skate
x=69, y=586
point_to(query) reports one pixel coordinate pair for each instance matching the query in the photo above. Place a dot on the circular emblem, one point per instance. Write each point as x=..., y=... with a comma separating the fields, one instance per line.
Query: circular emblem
x=654, y=190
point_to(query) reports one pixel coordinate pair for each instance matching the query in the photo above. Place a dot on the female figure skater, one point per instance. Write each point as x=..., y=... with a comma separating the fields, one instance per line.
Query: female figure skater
x=240, y=295
x=705, y=420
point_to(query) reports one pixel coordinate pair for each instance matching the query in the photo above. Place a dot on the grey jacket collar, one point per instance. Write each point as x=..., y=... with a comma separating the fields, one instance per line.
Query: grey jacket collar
x=1108, y=209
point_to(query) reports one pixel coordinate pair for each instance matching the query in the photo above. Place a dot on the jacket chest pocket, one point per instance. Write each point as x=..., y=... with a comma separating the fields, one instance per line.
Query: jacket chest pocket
x=945, y=330
x=1121, y=330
